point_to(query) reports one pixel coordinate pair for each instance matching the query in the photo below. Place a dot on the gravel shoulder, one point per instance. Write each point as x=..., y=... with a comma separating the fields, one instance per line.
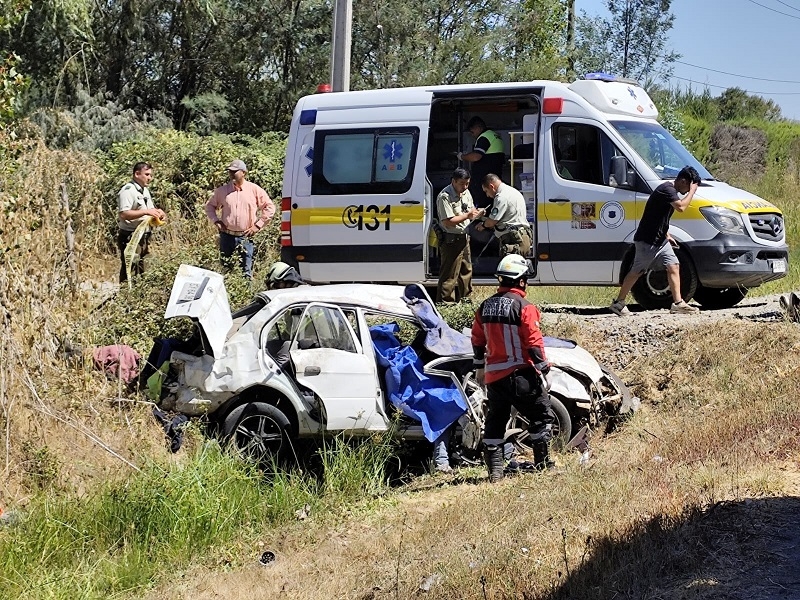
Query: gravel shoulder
x=623, y=339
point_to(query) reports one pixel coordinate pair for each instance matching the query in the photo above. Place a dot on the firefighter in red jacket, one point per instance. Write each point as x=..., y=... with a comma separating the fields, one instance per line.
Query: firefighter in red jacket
x=509, y=358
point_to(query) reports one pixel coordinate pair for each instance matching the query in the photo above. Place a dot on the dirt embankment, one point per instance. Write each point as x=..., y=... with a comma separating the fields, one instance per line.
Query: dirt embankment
x=761, y=548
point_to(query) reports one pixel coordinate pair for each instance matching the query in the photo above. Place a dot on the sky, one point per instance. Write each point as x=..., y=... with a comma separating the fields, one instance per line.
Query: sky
x=750, y=44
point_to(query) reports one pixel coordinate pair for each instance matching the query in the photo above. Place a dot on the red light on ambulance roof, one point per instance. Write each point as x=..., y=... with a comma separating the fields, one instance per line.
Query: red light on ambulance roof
x=553, y=106
x=324, y=88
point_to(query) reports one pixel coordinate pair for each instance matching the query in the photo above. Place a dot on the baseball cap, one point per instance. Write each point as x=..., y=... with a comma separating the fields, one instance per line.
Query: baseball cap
x=237, y=165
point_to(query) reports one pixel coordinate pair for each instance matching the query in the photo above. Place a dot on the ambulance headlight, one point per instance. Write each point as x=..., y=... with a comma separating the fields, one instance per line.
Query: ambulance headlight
x=724, y=219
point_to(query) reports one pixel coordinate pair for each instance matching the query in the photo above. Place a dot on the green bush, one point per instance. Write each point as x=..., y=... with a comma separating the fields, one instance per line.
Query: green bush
x=187, y=168
x=458, y=316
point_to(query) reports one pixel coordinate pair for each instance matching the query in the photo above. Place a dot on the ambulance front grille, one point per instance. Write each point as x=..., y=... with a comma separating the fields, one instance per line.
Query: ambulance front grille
x=767, y=226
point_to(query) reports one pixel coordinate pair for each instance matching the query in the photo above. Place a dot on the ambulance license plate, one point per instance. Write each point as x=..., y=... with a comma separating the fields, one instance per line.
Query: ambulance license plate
x=779, y=266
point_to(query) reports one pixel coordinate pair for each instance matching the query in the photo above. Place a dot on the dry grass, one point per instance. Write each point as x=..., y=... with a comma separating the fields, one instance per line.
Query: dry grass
x=647, y=519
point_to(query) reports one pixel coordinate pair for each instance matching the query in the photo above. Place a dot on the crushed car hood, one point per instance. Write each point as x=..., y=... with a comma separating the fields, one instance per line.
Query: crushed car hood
x=200, y=295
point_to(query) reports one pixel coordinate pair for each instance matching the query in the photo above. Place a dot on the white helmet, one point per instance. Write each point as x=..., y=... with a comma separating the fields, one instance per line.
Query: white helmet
x=280, y=271
x=513, y=266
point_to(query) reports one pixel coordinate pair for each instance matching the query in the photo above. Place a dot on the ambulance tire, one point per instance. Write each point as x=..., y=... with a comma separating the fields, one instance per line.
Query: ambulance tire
x=651, y=290
x=719, y=298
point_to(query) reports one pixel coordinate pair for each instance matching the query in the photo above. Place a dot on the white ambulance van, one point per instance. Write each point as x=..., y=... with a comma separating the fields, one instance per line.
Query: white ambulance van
x=363, y=170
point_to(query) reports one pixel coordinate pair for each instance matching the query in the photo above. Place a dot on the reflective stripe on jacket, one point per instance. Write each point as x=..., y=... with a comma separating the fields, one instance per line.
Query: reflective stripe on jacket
x=506, y=334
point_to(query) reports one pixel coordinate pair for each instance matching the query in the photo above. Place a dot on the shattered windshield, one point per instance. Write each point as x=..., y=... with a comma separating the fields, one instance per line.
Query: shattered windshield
x=659, y=149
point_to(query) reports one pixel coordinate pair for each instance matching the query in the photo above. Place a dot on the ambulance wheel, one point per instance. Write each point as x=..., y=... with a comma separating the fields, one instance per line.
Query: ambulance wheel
x=651, y=290
x=717, y=298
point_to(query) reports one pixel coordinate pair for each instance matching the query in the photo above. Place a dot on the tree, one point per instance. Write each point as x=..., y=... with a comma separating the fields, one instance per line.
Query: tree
x=444, y=41
x=631, y=42
x=735, y=104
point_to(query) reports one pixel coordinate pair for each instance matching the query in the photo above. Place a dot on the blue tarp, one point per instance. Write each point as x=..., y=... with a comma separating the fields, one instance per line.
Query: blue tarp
x=434, y=401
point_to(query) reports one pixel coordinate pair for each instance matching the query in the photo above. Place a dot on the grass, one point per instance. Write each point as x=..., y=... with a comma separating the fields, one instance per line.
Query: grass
x=121, y=537
x=92, y=526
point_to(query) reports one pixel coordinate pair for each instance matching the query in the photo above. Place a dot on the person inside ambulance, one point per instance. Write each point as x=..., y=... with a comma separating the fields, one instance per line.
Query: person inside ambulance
x=507, y=217
x=561, y=169
x=487, y=156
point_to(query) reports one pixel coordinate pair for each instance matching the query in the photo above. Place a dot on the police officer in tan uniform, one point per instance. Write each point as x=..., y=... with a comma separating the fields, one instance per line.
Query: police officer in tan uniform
x=135, y=204
x=507, y=217
x=456, y=211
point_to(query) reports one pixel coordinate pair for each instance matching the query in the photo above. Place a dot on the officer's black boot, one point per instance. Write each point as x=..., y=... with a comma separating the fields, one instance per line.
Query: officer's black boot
x=541, y=456
x=493, y=455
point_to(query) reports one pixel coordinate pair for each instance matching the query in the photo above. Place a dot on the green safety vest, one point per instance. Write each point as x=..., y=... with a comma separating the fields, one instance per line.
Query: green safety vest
x=495, y=142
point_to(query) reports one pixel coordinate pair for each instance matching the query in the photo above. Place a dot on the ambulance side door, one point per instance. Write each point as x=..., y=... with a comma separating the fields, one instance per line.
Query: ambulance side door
x=589, y=220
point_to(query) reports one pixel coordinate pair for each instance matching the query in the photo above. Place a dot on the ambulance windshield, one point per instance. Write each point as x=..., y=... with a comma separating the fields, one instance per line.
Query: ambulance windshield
x=659, y=149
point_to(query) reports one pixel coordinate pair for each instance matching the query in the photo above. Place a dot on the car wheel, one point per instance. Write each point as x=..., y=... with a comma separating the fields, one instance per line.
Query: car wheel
x=561, y=433
x=259, y=431
x=718, y=298
x=651, y=290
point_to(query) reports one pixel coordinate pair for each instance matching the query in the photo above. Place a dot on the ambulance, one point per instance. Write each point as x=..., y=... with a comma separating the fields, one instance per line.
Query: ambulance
x=363, y=170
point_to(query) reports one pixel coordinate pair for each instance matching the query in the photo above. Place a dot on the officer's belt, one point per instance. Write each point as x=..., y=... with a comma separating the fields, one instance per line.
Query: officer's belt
x=509, y=228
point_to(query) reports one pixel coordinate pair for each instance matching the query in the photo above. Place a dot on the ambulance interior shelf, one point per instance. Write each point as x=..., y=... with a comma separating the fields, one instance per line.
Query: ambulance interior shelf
x=523, y=152
x=523, y=157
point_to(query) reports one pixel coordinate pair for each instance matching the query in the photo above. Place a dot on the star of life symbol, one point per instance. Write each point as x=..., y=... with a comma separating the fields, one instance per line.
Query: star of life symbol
x=632, y=92
x=393, y=151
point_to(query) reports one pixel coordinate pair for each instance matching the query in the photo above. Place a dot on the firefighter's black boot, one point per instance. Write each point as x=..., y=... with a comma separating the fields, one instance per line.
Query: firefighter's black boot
x=493, y=455
x=541, y=456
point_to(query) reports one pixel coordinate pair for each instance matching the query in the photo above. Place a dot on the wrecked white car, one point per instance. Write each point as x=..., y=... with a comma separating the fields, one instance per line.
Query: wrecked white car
x=302, y=362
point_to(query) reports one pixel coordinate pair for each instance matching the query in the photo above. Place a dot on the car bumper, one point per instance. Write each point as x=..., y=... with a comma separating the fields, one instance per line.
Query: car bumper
x=728, y=261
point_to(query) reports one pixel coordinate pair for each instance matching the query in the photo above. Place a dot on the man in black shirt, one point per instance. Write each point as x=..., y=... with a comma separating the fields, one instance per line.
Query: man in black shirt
x=653, y=242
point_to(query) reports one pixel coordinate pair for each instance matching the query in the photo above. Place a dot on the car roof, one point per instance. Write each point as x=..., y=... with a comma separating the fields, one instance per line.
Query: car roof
x=378, y=297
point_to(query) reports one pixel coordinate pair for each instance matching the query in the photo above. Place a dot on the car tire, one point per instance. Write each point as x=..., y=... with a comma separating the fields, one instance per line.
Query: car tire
x=562, y=427
x=651, y=290
x=260, y=432
x=719, y=298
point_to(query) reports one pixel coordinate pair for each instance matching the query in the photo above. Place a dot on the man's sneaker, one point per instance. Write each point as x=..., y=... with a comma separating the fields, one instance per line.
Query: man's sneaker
x=681, y=308
x=618, y=308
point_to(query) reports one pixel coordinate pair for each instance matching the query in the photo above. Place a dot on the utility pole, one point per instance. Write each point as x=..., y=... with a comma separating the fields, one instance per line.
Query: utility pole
x=571, y=40
x=342, y=40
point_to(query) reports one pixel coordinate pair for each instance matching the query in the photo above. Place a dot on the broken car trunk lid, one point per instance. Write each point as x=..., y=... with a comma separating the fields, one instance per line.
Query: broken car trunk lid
x=200, y=295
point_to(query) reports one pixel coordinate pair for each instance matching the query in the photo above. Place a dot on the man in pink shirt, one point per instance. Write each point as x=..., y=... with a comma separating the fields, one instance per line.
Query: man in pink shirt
x=239, y=210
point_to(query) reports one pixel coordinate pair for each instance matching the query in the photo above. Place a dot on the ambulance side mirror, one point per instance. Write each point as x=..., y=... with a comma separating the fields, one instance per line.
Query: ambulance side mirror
x=622, y=174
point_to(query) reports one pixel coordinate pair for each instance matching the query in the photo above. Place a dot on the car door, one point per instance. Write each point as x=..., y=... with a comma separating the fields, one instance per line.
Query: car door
x=590, y=220
x=328, y=359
